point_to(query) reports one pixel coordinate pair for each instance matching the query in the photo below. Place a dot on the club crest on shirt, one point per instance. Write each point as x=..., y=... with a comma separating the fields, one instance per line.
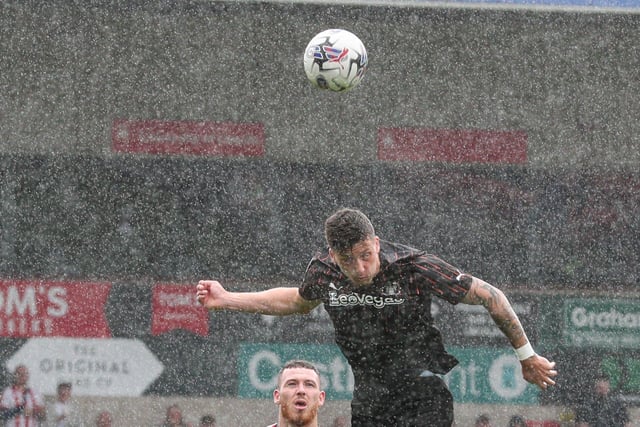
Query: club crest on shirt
x=390, y=296
x=392, y=289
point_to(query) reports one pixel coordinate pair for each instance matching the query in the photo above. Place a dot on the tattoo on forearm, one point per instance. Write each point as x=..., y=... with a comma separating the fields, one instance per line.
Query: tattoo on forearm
x=510, y=326
x=502, y=313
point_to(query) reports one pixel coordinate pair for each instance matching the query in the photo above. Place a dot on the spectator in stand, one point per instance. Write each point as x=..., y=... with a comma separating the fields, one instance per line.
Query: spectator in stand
x=104, y=419
x=208, y=421
x=517, y=421
x=483, y=421
x=173, y=417
x=62, y=410
x=20, y=405
x=601, y=408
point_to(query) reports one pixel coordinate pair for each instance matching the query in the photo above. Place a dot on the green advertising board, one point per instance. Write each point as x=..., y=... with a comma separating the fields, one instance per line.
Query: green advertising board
x=484, y=375
x=258, y=366
x=604, y=323
x=624, y=371
x=489, y=375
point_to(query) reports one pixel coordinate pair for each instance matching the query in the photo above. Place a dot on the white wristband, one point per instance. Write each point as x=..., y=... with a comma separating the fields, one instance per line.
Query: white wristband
x=525, y=352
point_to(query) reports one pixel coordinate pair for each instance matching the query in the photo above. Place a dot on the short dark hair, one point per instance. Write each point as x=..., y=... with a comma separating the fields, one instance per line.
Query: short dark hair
x=64, y=385
x=207, y=420
x=347, y=227
x=297, y=363
x=483, y=418
x=517, y=421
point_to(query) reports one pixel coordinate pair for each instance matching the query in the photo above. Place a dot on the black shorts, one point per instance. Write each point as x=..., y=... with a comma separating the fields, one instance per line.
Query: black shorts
x=413, y=402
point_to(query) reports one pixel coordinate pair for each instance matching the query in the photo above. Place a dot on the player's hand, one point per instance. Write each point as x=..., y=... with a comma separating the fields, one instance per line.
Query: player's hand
x=539, y=371
x=209, y=293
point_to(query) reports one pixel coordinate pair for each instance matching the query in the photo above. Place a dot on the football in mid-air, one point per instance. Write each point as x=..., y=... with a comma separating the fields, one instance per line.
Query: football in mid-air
x=336, y=60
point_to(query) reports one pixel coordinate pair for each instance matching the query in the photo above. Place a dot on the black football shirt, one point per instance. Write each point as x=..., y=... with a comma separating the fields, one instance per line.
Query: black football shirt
x=387, y=327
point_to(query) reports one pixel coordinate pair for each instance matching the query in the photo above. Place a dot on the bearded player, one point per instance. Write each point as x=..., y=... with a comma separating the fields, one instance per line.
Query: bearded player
x=298, y=395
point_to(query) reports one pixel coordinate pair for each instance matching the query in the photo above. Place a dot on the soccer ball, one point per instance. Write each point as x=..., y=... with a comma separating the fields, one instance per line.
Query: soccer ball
x=336, y=60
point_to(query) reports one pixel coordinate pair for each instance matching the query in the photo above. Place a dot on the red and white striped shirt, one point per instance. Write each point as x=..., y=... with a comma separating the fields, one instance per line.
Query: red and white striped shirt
x=12, y=397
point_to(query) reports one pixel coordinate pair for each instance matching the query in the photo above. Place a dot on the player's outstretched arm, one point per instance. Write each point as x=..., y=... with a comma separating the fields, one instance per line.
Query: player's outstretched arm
x=276, y=301
x=535, y=369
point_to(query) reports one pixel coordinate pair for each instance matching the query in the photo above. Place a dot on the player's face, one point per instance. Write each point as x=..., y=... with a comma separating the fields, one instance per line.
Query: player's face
x=602, y=387
x=21, y=375
x=361, y=263
x=104, y=420
x=64, y=393
x=299, y=396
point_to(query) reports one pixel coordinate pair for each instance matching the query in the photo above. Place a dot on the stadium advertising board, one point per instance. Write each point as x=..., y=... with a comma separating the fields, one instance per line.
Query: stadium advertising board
x=188, y=137
x=489, y=375
x=465, y=325
x=95, y=367
x=174, y=307
x=484, y=375
x=50, y=326
x=601, y=323
x=624, y=371
x=36, y=308
x=589, y=335
x=452, y=145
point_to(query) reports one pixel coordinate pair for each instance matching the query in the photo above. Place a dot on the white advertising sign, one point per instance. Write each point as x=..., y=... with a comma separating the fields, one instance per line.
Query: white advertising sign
x=95, y=366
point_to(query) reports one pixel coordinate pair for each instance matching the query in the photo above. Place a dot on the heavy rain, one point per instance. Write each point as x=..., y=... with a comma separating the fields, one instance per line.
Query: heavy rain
x=148, y=145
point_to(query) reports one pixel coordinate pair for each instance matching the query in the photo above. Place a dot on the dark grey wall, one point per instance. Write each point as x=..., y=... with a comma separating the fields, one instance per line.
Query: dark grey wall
x=72, y=208
x=182, y=219
x=570, y=80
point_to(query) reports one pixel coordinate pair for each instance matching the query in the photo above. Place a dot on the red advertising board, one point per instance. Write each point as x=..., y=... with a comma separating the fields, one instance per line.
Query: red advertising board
x=34, y=308
x=452, y=145
x=188, y=137
x=176, y=307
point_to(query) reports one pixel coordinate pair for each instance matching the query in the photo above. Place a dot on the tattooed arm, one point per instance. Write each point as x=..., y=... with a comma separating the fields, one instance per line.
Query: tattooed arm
x=535, y=369
x=499, y=308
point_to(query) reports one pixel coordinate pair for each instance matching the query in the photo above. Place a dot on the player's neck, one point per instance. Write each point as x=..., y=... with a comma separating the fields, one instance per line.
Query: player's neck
x=285, y=423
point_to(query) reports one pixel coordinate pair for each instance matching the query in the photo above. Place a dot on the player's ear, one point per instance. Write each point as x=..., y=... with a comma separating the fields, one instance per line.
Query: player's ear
x=332, y=255
x=321, y=398
x=276, y=396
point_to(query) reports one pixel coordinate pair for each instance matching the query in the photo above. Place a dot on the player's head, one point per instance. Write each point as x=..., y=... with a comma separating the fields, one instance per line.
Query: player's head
x=104, y=419
x=173, y=415
x=347, y=227
x=21, y=375
x=353, y=245
x=64, y=391
x=517, y=421
x=602, y=384
x=208, y=421
x=298, y=395
x=483, y=420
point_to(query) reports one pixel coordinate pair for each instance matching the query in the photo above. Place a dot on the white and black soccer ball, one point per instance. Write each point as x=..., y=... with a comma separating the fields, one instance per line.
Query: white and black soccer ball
x=336, y=60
